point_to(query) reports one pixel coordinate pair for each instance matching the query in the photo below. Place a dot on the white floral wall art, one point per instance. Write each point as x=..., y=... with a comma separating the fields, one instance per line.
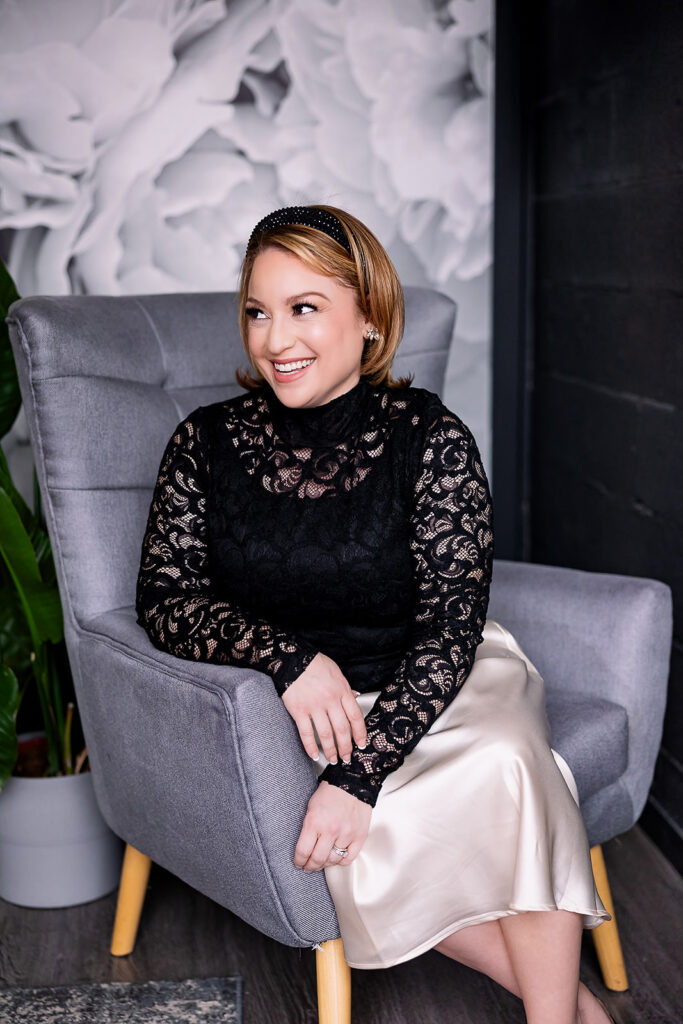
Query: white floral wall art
x=141, y=140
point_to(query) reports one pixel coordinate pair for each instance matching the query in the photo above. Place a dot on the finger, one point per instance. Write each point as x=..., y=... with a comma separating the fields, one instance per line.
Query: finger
x=342, y=731
x=305, y=845
x=334, y=858
x=305, y=727
x=318, y=855
x=342, y=842
x=325, y=735
x=356, y=720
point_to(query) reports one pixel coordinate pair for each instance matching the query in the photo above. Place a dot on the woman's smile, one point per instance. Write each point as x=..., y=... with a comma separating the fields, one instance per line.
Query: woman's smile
x=292, y=369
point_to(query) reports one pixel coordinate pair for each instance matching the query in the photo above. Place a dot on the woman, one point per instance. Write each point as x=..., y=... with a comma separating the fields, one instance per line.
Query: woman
x=333, y=528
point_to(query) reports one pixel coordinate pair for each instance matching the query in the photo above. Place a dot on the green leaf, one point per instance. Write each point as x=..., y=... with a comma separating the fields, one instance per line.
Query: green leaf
x=40, y=601
x=27, y=517
x=37, y=535
x=10, y=396
x=10, y=698
x=15, y=637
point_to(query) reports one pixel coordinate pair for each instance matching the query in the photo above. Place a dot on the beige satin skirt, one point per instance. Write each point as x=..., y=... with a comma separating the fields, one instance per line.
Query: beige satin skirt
x=481, y=820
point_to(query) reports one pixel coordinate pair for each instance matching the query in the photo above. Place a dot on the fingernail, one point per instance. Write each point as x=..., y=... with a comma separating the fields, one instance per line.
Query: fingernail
x=314, y=757
x=334, y=762
x=361, y=746
x=345, y=761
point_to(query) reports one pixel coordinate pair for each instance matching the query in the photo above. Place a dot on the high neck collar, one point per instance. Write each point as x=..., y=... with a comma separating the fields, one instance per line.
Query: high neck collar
x=330, y=422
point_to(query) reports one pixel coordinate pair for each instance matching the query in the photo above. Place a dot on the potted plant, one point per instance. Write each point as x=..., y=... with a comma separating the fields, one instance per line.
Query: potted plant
x=56, y=850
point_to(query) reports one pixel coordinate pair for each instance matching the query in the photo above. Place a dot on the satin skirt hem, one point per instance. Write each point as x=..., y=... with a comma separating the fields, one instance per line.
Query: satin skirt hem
x=478, y=919
x=592, y=919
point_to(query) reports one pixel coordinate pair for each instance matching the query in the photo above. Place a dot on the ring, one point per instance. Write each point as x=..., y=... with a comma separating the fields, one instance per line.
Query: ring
x=342, y=853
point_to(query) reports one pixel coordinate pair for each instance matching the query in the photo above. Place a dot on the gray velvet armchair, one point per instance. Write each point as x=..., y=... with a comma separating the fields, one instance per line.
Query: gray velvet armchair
x=177, y=747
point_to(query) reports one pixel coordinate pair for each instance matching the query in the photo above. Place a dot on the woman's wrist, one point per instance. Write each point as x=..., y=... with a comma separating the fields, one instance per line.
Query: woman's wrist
x=360, y=787
x=291, y=668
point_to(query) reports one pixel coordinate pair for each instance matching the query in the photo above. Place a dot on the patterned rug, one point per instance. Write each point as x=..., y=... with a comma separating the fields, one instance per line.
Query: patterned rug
x=195, y=1001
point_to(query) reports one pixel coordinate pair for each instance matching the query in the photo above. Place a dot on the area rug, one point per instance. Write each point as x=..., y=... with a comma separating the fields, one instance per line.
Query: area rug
x=194, y=1001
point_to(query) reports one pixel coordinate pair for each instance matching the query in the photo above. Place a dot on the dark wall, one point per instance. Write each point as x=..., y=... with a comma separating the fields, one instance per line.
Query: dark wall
x=607, y=308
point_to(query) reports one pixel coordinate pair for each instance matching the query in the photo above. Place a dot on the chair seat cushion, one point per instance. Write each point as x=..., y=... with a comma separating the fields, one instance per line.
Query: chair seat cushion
x=591, y=734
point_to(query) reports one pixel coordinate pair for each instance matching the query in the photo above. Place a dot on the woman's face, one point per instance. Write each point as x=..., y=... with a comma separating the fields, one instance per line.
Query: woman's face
x=295, y=313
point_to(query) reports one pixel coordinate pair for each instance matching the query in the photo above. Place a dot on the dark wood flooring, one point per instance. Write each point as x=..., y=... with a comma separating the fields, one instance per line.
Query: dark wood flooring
x=184, y=935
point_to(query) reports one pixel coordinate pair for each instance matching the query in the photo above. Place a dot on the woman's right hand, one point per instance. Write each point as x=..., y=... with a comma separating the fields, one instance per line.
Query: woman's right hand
x=322, y=693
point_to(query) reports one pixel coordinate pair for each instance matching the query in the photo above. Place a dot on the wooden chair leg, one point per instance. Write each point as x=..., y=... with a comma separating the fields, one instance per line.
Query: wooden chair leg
x=606, y=936
x=132, y=888
x=334, y=983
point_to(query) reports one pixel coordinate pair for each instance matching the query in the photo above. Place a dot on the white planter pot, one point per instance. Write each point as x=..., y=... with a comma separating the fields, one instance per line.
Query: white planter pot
x=56, y=849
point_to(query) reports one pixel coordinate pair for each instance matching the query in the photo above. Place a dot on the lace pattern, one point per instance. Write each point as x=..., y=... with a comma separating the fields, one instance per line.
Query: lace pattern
x=307, y=470
x=450, y=533
x=174, y=598
x=452, y=549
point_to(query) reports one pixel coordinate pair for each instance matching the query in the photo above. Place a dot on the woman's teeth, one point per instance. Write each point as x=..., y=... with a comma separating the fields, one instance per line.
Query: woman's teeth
x=291, y=367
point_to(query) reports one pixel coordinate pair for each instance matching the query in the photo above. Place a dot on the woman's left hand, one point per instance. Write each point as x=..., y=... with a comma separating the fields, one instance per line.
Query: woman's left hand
x=334, y=817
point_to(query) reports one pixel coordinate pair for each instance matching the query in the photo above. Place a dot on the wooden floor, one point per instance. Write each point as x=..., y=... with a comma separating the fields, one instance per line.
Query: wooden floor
x=184, y=935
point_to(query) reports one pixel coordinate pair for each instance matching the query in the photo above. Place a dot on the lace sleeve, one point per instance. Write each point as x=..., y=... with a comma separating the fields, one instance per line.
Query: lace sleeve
x=452, y=550
x=174, y=600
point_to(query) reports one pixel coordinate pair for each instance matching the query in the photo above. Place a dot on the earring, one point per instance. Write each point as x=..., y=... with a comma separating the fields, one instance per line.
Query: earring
x=373, y=334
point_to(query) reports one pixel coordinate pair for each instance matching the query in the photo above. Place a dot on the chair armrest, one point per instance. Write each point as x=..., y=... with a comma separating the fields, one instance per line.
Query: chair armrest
x=201, y=768
x=597, y=633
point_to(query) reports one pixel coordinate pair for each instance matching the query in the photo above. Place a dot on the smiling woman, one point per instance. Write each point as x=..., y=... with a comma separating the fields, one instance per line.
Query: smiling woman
x=333, y=528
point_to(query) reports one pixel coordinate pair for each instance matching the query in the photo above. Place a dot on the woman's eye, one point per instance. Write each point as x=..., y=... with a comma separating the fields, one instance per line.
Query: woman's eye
x=304, y=305
x=252, y=312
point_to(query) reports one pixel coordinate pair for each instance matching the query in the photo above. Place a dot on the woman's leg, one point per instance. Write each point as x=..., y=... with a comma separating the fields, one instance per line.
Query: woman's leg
x=544, y=947
x=484, y=948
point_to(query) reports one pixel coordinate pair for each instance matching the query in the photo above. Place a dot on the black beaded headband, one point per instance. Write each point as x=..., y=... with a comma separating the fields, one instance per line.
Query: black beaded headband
x=312, y=218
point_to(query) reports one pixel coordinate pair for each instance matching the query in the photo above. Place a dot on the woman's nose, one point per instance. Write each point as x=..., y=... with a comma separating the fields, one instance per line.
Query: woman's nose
x=281, y=335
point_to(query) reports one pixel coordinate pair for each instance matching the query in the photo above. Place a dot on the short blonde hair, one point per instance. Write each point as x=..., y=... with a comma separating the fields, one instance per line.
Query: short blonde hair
x=368, y=271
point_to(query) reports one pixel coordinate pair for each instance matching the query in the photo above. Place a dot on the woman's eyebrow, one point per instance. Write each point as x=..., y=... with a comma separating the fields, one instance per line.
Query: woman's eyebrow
x=292, y=298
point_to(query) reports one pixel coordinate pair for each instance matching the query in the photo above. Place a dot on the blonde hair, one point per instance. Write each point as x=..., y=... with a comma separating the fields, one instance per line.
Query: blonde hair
x=368, y=271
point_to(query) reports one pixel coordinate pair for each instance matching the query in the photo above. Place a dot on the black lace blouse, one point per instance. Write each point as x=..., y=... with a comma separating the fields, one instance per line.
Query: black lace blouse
x=362, y=528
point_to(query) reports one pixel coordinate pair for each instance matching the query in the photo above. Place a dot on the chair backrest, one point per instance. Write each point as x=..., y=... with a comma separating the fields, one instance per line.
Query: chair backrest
x=106, y=379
